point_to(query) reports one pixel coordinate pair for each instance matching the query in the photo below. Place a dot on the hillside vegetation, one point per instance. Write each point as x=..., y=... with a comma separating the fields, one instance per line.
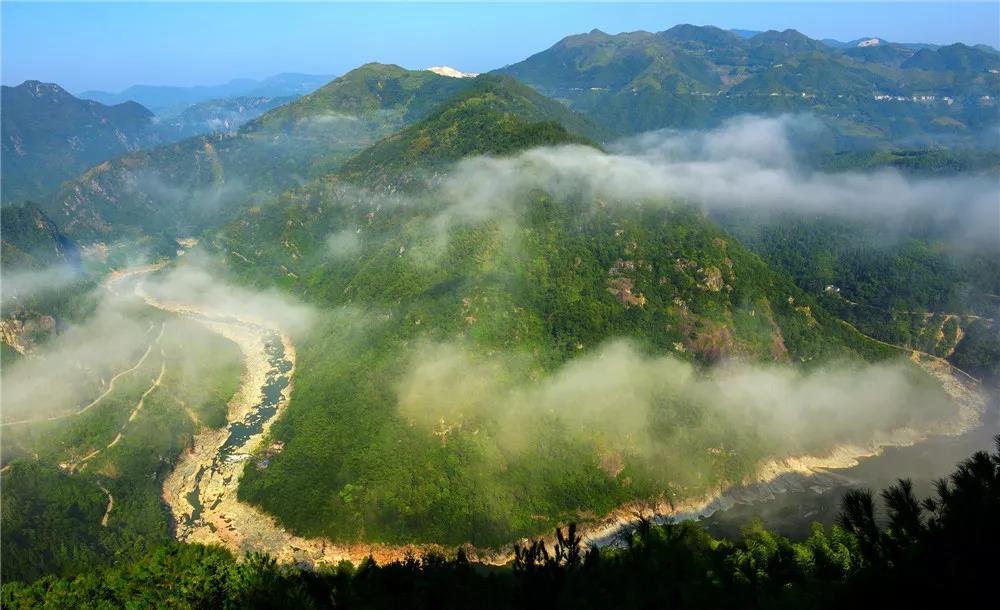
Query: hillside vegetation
x=934, y=552
x=492, y=304
x=694, y=77
x=182, y=189
x=84, y=489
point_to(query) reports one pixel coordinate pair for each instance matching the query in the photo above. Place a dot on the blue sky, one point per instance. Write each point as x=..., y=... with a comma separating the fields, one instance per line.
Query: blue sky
x=111, y=46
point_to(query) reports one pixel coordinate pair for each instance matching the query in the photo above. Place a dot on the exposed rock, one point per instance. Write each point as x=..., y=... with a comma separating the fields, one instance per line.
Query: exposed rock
x=622, y=288
x=711, y=279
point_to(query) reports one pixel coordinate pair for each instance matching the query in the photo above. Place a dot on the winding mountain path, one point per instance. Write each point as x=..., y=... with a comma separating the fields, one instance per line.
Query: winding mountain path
x=73, y=466
x=111, y=505
x=96, y=401
x=920, y=355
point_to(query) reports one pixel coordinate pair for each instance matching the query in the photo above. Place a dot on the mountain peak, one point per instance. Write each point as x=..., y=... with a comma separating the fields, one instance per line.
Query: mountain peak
x=783, y=35
x=39, y=89
x=704, y=34
x=494, y=115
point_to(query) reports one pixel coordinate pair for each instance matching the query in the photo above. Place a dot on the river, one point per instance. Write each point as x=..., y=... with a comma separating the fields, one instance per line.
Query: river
x=794, y=502
x=201, y=492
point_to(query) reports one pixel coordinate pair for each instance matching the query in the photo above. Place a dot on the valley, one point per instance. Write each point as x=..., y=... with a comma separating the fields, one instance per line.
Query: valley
x=638, y=319
x=201, y=491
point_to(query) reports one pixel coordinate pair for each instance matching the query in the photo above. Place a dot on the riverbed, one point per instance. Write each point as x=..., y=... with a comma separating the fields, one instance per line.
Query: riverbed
x=788, y=494
x=794, y=503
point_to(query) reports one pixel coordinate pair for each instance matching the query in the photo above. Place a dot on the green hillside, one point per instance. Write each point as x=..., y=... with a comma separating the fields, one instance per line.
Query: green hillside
x=493, y=116
x=180, y=189
x=55, y=515
x=49, y=136
x=515, y=297
x=30, y=240
x=695, y=77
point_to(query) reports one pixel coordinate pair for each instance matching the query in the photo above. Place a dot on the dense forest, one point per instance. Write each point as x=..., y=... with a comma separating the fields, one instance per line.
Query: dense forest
x=637, y=269
x=912, y=553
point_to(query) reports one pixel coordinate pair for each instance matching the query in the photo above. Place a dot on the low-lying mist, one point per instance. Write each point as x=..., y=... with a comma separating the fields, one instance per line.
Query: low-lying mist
x=20, y=285
x=748, y=163
x=199, y=282
x=647, y=407
x=78, y=363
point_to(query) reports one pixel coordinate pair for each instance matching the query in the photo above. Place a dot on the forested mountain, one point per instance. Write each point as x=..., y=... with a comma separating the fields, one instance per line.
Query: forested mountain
x=403, y=312
x=177, y=189
x=50, y=136
x=220, y=115
x=506, y=292
x=169, y=100
x=493, y=116
x=690, y=77
x=31, y=240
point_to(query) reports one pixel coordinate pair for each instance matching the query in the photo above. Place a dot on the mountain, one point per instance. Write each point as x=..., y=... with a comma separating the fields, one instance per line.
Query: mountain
x=175, y=190
x=958, y=58
x=494, y=116
x=775, y=45
x=168, y=100
x=888, y=54
x=493, y=294
x=49, y=135
x=31, y=240
x=694, y=77
x=40, y=270
x=382, y=94
x=221, y=115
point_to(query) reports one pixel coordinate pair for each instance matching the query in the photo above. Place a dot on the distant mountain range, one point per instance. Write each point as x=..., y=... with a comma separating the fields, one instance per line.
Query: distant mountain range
x=869, y=92
x=691, y=76
x=167, y=100
x=220, y=115
x=48, y=136
x=163, y=190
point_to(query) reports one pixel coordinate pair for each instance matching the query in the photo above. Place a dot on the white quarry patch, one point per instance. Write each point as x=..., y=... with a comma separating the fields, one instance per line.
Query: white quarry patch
x=871, y=42
x=451, y=72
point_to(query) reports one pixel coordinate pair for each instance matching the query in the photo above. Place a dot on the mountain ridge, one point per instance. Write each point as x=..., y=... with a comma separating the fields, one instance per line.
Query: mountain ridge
x=697, y=76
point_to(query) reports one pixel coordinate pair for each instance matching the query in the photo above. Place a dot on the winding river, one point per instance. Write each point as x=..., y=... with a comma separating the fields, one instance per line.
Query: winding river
x=201, y=492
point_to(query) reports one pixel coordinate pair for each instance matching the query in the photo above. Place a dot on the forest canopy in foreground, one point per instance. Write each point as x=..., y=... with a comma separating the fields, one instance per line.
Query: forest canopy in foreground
x=914, y=553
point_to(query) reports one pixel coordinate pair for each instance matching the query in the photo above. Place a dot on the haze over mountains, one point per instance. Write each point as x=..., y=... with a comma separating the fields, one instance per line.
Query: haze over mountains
x=50, y=135
x=424, y=309
x=168, y=100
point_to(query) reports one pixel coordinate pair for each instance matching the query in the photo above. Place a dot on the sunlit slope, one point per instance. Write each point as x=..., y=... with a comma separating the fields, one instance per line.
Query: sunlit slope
x=49, y=135
x=85, y=460
x=435, y=401
x=695, y=77
x=180, y=189
x=495, y=115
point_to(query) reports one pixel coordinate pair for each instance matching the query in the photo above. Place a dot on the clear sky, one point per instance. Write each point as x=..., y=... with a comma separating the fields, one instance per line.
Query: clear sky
x=111, y=46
